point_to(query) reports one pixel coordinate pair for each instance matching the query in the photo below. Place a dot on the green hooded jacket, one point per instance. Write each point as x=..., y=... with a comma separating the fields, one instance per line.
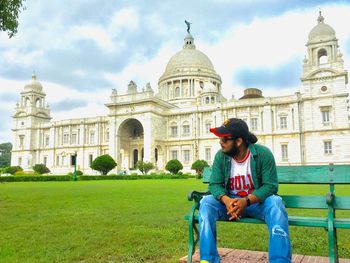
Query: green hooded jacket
x=263, y=168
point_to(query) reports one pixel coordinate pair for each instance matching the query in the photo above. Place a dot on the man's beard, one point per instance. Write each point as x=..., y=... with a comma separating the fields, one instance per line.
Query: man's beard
x=233, y=151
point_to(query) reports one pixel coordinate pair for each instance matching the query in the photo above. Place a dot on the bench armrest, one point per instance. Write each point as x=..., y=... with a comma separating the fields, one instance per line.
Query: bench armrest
x=196, y=196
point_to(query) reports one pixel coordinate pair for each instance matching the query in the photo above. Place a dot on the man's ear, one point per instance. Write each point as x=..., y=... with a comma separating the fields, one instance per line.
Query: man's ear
x=239, y=141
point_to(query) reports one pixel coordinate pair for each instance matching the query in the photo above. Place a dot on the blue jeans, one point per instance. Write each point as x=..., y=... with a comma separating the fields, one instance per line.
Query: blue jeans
x=272, y=211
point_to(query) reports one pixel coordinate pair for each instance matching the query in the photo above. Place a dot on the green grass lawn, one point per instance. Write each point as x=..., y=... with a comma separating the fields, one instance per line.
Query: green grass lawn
x=126, y=221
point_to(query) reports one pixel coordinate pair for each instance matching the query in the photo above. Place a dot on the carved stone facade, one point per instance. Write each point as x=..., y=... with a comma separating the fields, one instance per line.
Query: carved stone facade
x=309, y=127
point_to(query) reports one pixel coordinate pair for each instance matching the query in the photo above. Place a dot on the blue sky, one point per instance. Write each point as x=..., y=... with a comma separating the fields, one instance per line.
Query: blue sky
x=80, y=50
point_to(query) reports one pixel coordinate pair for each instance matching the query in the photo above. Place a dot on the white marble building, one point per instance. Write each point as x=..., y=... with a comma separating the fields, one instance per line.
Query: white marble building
x=309, y=127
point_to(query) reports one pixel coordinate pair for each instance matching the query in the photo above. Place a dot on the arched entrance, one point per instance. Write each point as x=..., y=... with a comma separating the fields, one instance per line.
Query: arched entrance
x=131, y=141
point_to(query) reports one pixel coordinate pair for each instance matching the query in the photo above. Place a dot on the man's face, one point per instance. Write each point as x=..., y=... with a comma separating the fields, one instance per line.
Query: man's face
x=229, y=146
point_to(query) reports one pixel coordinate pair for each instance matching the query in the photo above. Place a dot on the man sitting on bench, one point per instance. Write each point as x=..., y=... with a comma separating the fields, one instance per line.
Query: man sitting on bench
x=243, y=183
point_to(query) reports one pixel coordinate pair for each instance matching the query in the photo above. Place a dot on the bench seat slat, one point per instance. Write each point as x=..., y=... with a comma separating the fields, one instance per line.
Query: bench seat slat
x=293, y=221
x=342, y=223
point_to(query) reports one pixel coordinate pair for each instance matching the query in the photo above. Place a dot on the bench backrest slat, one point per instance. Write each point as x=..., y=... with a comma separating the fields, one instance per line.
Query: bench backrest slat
x=206, y=175
x=314, y=174
x=307, y=174
x=315, y=201
x=342, y=202
x=297, y=201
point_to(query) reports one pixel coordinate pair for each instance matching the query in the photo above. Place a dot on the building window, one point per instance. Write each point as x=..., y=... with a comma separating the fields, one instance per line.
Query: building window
x=63, y=160
x=186, y=154
x=283, y=122
x=173, y=130
x=90, y=159
x=173, y=154
x=208, y=154
x=284, y=151
x=186, y=130
x=47, y=140
x=207, y=127
x=207, y=100
x=254, y=124
x=74, y=138
x=45, y=160
x=212, y=100
x=19, y=161
x=21, y=141
x=73, y=159
x=177, y=92
x=92, y=137
x=57, y=160
x=327, y=147
x=65, y=138
x=325, y=117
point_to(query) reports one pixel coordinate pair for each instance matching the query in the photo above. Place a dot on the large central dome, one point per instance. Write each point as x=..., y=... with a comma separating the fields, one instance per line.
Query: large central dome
x=188, y=76
x=189, y=60
x=189, y=57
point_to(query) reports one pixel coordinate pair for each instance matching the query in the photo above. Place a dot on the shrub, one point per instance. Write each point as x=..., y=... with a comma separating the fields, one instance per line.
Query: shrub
x=25, y=173
x=144, y=167
x=13, y=169
x=103, y=164
x=198, y=166
x=3, y=170
x=79, y=173
x=38, y=178
x=41, y=169
x=174, y=166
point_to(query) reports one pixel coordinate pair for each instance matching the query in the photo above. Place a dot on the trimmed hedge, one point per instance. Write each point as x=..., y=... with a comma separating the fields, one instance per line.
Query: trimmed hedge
x=132, y=177
x=35, y=178
x=43, y=178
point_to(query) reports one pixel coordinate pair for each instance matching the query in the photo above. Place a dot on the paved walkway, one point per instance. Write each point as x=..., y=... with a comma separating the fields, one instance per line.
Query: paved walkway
x=248, y=256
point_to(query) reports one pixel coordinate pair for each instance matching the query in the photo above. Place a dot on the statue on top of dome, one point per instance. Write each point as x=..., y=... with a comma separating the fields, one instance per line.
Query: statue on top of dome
x=188, y=26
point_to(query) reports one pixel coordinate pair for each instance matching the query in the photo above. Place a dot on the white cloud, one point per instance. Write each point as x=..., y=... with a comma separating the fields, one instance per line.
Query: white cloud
x=15, y=56
x=93, y=32
x=125, y=18
x=143, y=70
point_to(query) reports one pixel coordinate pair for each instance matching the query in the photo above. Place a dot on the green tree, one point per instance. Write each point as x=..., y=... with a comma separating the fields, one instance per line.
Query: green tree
x=198, y=166
x=41, y=169
x=144, y=167
x=9, y=11
x=103, y=164
x=5, y=154
x=174, y=166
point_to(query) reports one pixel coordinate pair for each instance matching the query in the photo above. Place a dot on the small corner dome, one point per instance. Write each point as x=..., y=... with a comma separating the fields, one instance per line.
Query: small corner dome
x=322, y=31
x=209, y=87
x=34, y=85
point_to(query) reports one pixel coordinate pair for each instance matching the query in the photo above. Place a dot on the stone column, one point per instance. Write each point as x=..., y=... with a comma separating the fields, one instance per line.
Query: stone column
x=112, y=138
x=147, y=145
x=181, y=89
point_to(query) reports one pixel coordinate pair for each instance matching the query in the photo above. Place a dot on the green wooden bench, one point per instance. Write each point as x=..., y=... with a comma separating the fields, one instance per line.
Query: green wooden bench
x=331, y=175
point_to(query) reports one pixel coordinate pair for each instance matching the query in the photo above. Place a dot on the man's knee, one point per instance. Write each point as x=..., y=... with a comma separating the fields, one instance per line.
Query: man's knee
x=274, y=201
x=207, y=204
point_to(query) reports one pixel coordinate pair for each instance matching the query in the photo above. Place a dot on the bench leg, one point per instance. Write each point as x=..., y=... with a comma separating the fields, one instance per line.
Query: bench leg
x=191, y=243
x=332, y=245
x=193, y=234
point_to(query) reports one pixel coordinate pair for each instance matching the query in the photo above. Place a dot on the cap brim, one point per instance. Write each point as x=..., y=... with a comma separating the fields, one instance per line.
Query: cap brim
x=220, y=132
